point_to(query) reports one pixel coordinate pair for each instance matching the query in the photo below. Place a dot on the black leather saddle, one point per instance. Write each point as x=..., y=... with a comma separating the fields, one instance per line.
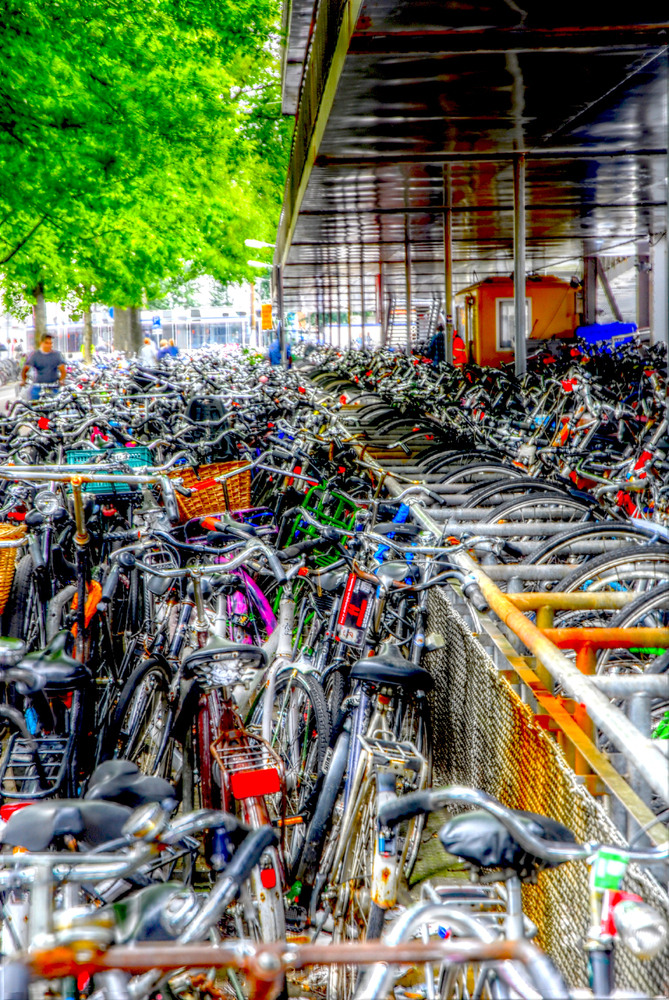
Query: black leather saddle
x=395, y=571
x=37, y=826
x=54, y=668
x=388, y=666
x=217, y=648
x=122, y=781
x=483, y=841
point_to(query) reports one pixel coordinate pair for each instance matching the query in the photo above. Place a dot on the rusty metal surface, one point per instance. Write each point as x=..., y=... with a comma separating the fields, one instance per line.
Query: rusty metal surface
x=423, y=83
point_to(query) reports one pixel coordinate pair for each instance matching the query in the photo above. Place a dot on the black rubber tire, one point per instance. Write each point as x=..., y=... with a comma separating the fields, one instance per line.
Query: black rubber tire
x=121, y=742
x=558, y=542
x=24, y=605
x=599, y=565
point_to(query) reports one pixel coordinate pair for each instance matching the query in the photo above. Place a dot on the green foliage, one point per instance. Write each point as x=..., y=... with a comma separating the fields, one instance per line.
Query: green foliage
x=140, y=143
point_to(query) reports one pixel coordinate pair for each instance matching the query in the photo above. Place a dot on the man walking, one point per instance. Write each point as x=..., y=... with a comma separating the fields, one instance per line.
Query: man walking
x=49, y=368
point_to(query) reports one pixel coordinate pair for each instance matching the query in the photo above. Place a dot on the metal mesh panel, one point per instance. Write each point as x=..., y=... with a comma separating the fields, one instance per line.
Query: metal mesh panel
x=485, y=737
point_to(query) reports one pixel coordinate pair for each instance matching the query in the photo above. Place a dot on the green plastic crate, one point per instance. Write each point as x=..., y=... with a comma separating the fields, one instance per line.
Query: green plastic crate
x=134, y=457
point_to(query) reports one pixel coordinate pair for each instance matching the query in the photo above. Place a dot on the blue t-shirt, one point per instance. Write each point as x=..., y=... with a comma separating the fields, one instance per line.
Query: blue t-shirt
x=46, y=365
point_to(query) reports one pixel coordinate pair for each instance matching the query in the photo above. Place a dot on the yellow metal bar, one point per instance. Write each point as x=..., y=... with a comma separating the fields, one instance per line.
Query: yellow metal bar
x=589, y=753
x=608, y=638
x=608, y=600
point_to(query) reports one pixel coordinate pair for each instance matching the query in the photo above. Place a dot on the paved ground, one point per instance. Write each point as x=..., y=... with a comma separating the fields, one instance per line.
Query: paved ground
x=8, y=394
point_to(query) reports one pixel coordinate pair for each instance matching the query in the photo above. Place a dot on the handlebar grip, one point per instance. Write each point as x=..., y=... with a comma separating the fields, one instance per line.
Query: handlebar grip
x=249, y=853
x=415, y=804
x=109, y=588
x=473, y=593
x=170, y=500
x=299, y=549
x=277, y=569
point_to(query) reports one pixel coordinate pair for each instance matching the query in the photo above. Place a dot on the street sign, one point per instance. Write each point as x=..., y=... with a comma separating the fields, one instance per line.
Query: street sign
x=266, y=317
x=156, y=324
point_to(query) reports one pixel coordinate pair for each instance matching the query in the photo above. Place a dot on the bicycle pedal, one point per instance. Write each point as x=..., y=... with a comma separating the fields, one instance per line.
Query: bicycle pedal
x=296, y=917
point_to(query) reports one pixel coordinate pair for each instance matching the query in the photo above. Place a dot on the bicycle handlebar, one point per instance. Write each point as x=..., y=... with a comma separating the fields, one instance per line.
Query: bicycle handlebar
x=427, y=801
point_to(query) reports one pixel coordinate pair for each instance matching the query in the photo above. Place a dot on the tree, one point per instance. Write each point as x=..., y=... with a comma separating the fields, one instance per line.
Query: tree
x=138, y=143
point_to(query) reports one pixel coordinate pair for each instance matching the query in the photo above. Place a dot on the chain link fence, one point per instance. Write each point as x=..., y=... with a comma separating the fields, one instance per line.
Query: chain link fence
x=486, y=737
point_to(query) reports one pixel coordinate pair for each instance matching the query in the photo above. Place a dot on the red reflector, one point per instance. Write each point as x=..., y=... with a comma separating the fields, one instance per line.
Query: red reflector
x=205, y=484
x=268, y=878
x=43, y=423
x=303, y=571
x=263, y=781
x=210, y=523
x=11, y=807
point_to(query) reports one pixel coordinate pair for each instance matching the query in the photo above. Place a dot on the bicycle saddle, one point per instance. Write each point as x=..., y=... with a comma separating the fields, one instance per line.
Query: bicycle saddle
x=395, y=571
x=388, y=666
x=92, y=823
x=122, y=781
x=222, y=649
x=483, y=841
x=56, y=669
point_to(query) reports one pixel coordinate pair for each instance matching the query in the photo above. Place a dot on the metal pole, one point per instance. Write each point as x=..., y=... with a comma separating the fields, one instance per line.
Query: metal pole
x=407, y=280
x=348, y=289
x=448, y=264
x=519, y=262
x=382, y=305
x=282, y=331
x=338, y=311
x=665, y=331
x=362, y=299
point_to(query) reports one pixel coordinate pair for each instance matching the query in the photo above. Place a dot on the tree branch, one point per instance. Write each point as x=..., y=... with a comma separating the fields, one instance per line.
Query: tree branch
x=23, y=242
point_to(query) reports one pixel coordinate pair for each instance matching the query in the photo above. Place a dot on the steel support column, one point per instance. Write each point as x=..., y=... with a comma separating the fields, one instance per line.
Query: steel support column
x=362, y=300
x=282, y=333
x=448, y=264
x=348, y=289
x=520, y=349
x=407, y=281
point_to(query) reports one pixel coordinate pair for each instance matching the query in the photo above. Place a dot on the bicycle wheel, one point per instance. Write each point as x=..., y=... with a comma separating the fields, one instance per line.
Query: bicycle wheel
x=300, y=736
x=650, y=610
x=561, y=548
x=25, y=613
x=356, y=917
x=139, y=726
x=638, y=568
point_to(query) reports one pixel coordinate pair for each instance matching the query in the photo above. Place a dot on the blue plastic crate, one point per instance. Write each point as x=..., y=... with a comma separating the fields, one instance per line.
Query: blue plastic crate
x=135, y=457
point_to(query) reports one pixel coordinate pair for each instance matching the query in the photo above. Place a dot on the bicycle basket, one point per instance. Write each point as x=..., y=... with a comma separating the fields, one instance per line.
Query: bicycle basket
x=209, y=496
x=248, y=765
x=328, y=507
x=8, y=532
x=133, y=457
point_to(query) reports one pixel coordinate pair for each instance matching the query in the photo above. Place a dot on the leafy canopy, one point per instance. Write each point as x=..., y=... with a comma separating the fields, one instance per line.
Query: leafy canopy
x=137, y=139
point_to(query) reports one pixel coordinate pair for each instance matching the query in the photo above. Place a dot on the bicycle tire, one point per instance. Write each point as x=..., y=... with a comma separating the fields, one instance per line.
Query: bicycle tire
x=602, y=568
x=301, y=737
x=24, y=615
x=560, y=542
x=644, y=611
x=137, y=729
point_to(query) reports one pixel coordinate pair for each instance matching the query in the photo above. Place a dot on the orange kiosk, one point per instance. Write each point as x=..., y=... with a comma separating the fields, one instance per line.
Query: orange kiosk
x=484, y=315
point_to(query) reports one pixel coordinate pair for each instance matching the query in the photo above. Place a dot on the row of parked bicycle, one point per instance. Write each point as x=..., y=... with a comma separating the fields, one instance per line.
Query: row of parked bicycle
x=215, y=703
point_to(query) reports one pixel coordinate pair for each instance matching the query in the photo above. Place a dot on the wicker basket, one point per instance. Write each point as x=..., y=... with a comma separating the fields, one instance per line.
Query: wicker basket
x=8, y=532
x=209, y=498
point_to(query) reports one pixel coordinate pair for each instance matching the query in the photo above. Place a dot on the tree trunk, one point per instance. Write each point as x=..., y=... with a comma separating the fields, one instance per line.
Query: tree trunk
x=127, y=330
x=88, y=336
x=39, y=314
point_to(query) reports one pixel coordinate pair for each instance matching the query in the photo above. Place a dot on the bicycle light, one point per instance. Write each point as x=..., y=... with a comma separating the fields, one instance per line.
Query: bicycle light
x=641, y=928
x=46, y=502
